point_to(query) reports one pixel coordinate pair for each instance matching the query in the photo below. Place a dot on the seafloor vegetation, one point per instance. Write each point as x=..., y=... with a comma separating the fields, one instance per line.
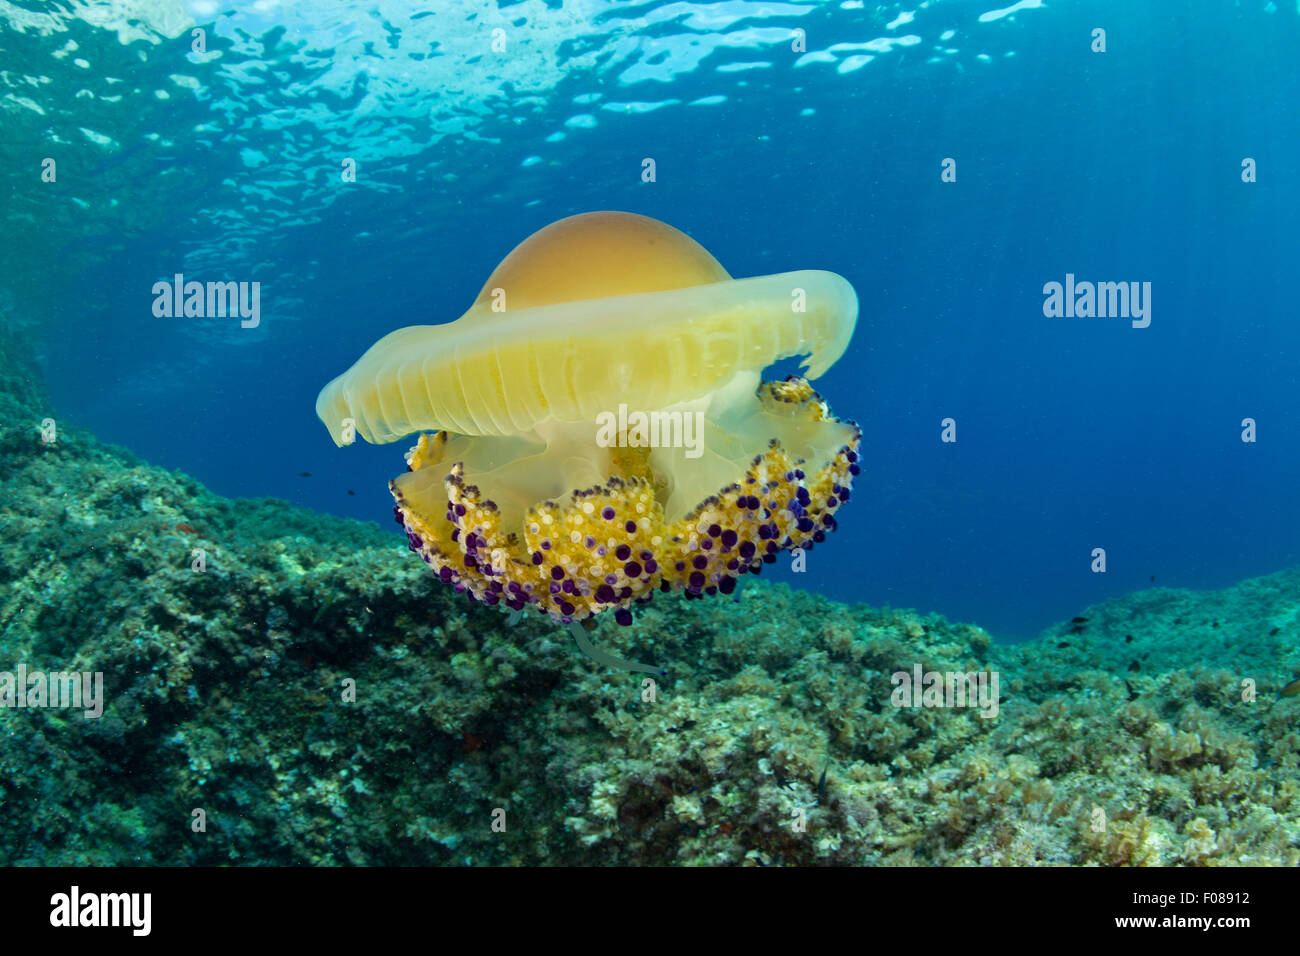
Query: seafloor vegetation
x=1124, y=738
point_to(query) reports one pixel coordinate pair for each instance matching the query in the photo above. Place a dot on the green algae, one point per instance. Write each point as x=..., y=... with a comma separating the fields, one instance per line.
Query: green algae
x=323, y=700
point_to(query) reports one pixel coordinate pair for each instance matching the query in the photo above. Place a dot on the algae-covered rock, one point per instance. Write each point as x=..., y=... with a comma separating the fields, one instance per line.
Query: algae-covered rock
x=286, y=687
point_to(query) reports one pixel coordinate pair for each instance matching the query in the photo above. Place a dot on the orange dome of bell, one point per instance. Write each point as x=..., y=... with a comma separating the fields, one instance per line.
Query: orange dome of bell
x=599, y=254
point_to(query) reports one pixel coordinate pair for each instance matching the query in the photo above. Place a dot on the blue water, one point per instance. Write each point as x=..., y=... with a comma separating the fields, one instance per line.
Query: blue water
x=1072, y=433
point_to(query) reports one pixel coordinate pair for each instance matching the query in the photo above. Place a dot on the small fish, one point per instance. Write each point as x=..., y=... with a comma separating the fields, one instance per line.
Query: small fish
x=1128, y=638
x=1153, y=579
x=821, y=785
x=186, y=528
x=1291, y=689
x=1078, y=620
x=304, y=474
x=351, y=492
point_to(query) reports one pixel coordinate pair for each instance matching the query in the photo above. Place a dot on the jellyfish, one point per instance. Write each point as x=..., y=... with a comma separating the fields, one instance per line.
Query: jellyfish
x=594, y=428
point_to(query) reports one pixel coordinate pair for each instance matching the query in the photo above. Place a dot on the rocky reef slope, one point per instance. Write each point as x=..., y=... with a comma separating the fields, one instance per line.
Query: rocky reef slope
x=1125, y=738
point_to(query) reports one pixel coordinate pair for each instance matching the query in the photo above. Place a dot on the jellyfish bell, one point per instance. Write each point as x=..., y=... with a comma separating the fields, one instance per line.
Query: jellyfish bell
x=594, y=427
x=604, y=299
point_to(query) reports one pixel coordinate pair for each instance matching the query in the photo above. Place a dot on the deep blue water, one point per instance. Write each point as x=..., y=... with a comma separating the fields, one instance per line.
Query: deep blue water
x=1073, y=433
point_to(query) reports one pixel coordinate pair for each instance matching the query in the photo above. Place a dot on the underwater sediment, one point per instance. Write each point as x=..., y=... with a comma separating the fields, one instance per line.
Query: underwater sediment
x=1123, y=737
